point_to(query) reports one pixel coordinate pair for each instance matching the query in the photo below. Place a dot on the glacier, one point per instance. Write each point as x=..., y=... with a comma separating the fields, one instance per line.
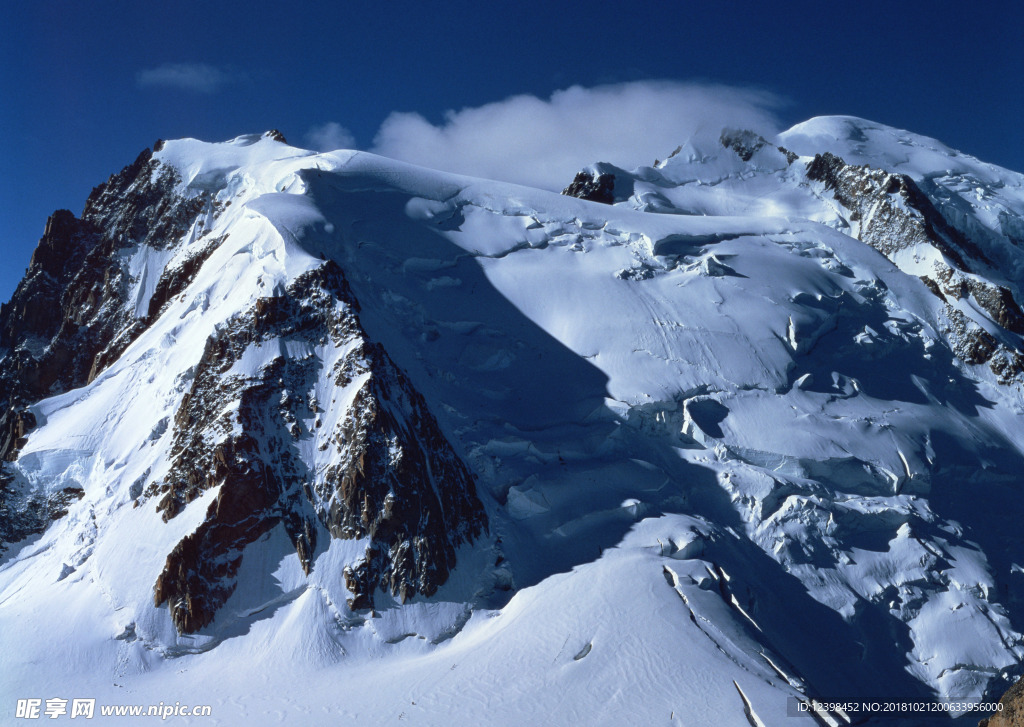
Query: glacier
x=744, y=437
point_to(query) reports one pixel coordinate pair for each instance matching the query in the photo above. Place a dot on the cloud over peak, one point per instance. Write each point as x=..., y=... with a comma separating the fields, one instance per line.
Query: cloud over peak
x=543, y=142
x=330, y=136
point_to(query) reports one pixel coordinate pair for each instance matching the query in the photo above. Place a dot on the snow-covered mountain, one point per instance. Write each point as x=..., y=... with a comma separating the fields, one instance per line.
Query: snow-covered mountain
x=314, y=437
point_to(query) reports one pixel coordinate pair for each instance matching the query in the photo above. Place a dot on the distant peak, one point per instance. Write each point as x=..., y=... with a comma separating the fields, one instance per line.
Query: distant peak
x=275, y=135
x=848, y=128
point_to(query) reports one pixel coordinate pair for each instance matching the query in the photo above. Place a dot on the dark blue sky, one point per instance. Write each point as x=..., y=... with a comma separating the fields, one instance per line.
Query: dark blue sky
x=75, y=104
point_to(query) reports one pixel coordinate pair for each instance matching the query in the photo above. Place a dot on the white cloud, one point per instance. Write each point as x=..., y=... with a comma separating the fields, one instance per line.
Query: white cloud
x=330, y=136
x=543, y=143
x=195, y=77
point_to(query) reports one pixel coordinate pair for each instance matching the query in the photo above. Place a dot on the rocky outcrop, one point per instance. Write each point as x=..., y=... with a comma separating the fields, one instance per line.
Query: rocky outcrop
x=1011, y=709
x=892, y=211
x=22, y=517
x=389, y=476
x=71, y=305
x=198, y=575
x=969, y=342
x=596, y=187
x=175, y=279
x=998, y=302
x=69, y=317
x=746, y=143
x=893, y=214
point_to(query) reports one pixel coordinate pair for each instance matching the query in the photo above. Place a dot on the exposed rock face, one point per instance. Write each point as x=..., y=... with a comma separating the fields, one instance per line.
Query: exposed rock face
x=69, y=317
x=1012, y=709
x=970, y=343
x=70, y=307
x=893, y=215
x=998, y=302
x=175, y=279
x=388, y=475
x=893, y=212
x=595, y=187
x=746, y=143
x=385, y=472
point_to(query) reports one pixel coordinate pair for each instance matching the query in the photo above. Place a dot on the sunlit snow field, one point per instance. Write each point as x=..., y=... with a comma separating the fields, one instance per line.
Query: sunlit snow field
x=727, y=457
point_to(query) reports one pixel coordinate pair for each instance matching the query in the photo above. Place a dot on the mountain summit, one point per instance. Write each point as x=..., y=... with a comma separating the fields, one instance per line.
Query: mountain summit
x=712, y=440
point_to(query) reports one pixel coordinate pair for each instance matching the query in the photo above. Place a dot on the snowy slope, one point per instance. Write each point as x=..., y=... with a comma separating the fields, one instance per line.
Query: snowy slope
x=728, y=454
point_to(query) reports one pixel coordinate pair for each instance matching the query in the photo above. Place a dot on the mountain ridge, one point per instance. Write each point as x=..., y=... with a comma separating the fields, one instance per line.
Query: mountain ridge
x=711, y=389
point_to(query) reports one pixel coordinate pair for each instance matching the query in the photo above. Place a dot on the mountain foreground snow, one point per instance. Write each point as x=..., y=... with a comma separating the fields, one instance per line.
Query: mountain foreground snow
x=324, y=437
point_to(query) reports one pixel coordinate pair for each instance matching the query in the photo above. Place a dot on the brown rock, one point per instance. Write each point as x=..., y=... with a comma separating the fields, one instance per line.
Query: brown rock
x=1011, y=712
x=393, y=477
